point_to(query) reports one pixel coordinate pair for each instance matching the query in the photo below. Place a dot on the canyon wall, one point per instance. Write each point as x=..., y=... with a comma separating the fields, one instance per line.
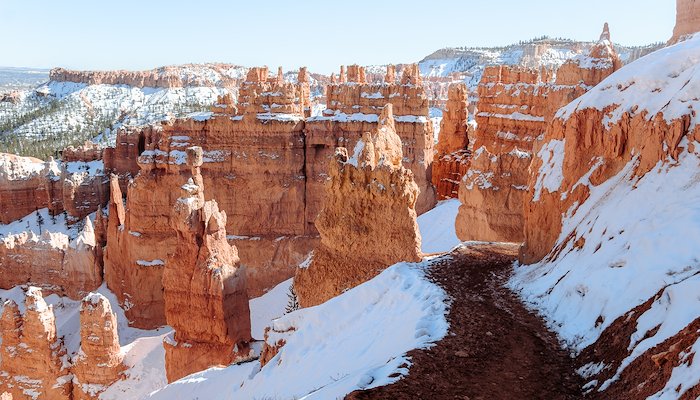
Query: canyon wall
x=368, y=221
x=222, y=75
x=687, y=19
x=204, y=287
x=515, y=105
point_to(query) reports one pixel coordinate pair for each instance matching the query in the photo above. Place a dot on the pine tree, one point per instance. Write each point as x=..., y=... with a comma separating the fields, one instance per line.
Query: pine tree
x=39, y=220
x=293, y=301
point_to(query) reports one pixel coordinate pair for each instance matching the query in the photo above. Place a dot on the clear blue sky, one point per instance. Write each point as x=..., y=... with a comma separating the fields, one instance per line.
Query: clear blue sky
x=322, y=34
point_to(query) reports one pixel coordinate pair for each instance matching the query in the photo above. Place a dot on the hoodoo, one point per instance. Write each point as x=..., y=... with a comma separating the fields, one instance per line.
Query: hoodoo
x=368, y=220
x=687, y=19
x=33, y=356
x=99, y=361
x=204, y=287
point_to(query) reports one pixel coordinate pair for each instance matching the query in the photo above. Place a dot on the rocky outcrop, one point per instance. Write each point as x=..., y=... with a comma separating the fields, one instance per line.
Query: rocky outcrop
x=261, y=95
x=221, y=75
x=86, y=152
x=23, y=185
x=353, y=107
x=204, y=287
x=99, y=361
x=52, y=261
x=452, y=151
x=687, y=19
x=515, y=105
x=368, y=221
x=34, y=362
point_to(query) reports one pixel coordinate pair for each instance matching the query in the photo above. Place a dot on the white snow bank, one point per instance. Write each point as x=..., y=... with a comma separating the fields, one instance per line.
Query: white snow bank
x=353, y=341
x=666, y=81
x=641, y=237
x=437, y=227
x=267, y=307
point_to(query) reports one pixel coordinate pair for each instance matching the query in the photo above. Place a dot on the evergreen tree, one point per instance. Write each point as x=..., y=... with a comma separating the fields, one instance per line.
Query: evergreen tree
x=293, y=301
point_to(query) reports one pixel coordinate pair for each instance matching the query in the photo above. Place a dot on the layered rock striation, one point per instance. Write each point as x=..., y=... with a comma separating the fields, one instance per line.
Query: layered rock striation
x=204, y=287
x=515, y=105
x=368, y=221
x=34, y=362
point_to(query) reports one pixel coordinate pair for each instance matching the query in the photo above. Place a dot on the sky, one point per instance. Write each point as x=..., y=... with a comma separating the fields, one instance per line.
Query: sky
x=320, y=34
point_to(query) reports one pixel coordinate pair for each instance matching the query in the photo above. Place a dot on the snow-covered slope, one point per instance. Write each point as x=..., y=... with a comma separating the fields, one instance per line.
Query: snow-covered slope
x=354, y=341
x=641, y=232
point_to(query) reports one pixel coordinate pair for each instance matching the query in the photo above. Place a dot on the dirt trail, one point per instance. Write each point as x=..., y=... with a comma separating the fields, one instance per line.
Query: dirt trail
x=495, y=348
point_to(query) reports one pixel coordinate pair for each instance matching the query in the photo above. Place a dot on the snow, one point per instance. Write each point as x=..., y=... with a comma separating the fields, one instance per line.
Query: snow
x=90, y=168
x=627, y=258
x=550, y=174
x=665, y=82
x=266, y=308
x=437, y=227
x=152, y=263
x=369, y=328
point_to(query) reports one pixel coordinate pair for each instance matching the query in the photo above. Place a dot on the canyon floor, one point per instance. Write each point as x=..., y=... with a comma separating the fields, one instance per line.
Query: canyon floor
x=495, y=348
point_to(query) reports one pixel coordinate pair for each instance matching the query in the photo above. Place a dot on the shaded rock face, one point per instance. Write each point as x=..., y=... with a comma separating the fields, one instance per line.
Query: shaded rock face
x=164, y=77
x=687, y=19
x=369, y=219
x=353, y=107
x=204, y=288
x=99, y=362
x=133, y=267
x=52, y=261
x=515, y=107
x=452, y=159
x=34, y=362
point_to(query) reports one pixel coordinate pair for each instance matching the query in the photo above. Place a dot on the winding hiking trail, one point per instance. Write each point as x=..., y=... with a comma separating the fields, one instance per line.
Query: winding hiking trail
x=495, y=347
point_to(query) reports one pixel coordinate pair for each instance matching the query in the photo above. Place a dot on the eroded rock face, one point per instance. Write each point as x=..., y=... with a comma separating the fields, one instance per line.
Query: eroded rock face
x=52, y=261
x=515, y=105
x=353, y=107
x=368, y=221
x=205, y=295
x=452, y=159
x=34, y=362
x=99, y=361
x=687, y=19
x=23, y=186
x=222, y=75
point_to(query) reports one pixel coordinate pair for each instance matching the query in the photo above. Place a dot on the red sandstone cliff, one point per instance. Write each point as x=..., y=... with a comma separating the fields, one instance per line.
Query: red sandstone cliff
x=204, y=287
x=368, y=221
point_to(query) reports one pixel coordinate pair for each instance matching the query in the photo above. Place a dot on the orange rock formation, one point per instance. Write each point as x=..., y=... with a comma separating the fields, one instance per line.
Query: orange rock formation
x=515, y=105
x=99, y=362
x=353, y=107
x=687, y=19
x=34, y=361
x=204, y=288
x=368, y=221
x=452, y=158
